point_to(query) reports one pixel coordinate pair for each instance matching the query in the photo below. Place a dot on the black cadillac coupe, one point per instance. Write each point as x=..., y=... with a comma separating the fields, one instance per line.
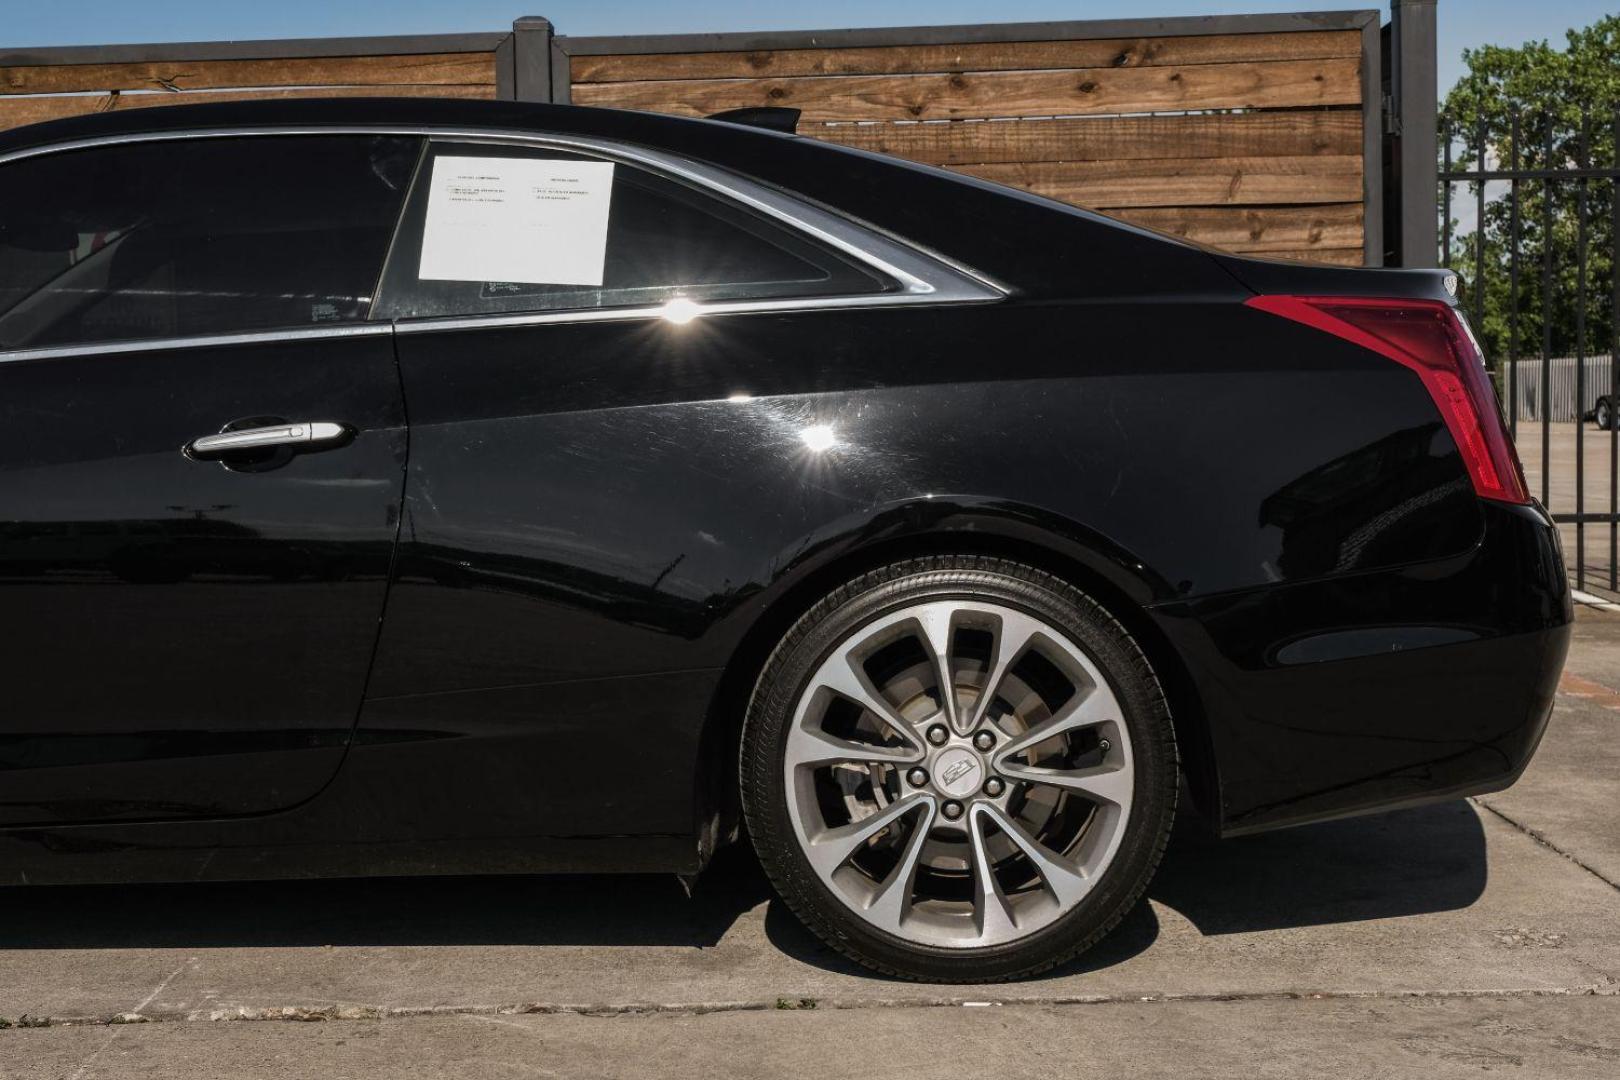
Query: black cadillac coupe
x=403, y=487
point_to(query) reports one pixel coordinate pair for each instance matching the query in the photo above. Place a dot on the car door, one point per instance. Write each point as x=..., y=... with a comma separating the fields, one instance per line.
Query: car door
x=202, y=444
x=576, y=516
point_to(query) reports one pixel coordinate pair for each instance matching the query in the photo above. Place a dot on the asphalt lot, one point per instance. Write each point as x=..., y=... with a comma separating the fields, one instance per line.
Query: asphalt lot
x=1466, y=938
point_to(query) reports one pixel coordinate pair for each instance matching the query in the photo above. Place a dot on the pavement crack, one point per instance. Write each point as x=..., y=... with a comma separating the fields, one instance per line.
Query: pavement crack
x=84, y=1067
x=162, y=986
x=1546, y=842
x=1606, y=987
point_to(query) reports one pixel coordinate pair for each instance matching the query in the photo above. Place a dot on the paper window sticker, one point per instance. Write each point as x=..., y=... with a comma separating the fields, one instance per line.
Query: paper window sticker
x=532, y=221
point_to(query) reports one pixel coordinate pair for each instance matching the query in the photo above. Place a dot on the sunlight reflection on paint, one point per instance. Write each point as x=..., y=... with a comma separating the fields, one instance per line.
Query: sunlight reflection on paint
x=819, y=437
x=681, y=311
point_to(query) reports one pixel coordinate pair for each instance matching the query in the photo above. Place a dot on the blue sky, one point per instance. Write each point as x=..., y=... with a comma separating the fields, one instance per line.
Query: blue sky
x=94, y=22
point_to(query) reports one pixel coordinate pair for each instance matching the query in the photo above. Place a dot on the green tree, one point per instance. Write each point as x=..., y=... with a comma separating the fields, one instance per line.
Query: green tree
x=1565, y=105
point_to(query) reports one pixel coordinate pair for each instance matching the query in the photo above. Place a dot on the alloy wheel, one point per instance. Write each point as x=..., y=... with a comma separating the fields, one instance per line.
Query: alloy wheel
x=958, y=773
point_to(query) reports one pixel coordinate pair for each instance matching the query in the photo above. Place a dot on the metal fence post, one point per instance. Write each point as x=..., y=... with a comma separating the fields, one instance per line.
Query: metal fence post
x=1372, y=140
x=1415, y=92
x=531, y=59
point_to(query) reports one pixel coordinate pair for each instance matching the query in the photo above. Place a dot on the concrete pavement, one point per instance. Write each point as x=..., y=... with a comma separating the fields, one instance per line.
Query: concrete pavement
x=1451, y=940
x=1349, y=1040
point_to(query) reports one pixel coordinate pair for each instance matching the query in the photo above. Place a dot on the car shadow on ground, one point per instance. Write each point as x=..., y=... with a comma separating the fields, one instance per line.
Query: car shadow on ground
x=1406, y=863
x=1410, y=862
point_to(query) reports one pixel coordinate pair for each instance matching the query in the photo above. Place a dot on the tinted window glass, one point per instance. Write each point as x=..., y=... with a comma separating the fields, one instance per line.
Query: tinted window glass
x=197, y=236
x=664, y=238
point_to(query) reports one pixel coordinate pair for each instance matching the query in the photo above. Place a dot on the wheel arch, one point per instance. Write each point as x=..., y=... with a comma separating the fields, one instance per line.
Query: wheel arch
x=1123, y=587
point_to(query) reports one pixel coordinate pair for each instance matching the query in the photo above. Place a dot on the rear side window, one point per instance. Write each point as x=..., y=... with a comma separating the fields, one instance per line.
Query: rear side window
x=196, y=236
x=494, y=229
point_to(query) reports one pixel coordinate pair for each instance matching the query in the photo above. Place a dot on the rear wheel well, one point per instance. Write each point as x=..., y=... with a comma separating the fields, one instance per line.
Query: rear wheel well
x=718, y=802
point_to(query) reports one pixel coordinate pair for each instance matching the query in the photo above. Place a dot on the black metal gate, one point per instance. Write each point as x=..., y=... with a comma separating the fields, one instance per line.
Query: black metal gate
x=1529, y=222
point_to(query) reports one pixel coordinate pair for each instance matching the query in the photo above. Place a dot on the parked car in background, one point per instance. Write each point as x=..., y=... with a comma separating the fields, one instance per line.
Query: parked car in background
x=1603, y=413
x=399, y=487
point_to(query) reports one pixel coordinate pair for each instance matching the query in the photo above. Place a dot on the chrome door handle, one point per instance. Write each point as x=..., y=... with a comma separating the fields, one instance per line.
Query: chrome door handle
x=289, y=434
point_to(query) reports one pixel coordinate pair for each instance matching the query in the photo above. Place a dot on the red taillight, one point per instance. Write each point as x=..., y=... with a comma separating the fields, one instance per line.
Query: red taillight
x=1428, y=337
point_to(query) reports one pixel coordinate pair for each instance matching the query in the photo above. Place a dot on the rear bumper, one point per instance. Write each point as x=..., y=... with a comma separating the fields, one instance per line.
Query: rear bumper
x=1373, y=691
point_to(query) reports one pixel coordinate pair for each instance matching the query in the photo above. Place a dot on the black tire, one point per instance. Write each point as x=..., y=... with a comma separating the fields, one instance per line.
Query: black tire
x=1604, y=414
x=1037, y=593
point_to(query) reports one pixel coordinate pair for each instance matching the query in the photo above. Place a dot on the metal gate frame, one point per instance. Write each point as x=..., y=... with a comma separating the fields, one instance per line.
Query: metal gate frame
x=1581, y=174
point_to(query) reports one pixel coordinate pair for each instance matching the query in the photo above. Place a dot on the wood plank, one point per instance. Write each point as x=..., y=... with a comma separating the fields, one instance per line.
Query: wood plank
x=1258, y=228
x=438, y=69
x=15, y=112
x=1339, y=257
x=1105, y=138
x=1279, y=84
x=1198, y=182
x=981, y=56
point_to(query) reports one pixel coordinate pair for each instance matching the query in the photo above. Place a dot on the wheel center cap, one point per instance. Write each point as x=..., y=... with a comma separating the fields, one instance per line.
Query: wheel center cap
x=957, y=772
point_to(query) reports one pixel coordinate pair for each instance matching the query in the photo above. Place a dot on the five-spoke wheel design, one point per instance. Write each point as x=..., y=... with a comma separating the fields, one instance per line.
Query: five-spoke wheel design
x=960, y=768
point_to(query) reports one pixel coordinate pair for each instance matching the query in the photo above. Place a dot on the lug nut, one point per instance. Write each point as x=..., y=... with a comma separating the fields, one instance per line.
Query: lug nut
x=918, y=777
x=984, y=740
x=937, y=734
x=1104, y=745
x=952, y=810
x=994, y=787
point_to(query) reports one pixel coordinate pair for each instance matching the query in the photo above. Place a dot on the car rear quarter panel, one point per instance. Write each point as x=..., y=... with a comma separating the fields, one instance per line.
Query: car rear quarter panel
x=614, y=505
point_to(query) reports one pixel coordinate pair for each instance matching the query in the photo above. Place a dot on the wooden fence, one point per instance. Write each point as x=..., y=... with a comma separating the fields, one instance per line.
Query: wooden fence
x=1258, y=133
x=48, y=84
x=1264, y=150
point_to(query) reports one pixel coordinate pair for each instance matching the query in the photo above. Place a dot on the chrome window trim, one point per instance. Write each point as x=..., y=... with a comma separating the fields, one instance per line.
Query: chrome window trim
x=923, y=278
x=199, y=341
x=435, y=324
